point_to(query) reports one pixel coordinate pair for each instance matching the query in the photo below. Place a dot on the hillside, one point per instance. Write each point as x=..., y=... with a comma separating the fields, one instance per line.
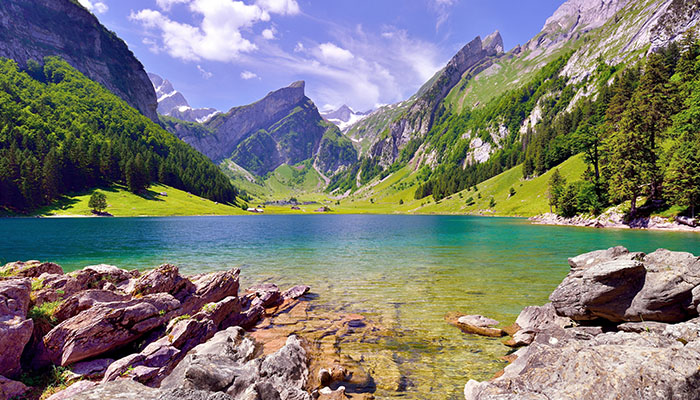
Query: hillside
x=64, y=133
x=158, y=200
x=34, y=29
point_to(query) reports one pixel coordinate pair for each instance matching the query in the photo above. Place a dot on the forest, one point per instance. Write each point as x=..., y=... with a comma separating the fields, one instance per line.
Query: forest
x=641, y=130
x=61, y=133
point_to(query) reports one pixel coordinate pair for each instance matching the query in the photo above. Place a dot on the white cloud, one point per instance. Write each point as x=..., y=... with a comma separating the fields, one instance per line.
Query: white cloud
x=334, y=54
x=205, y=74
x=219, y=36
x=167, y=4
x=97, y=7
x=248, y=75
x=288, y=7
x=152, y=45
x=299, y=47
x=269, y=34
x=442, y=8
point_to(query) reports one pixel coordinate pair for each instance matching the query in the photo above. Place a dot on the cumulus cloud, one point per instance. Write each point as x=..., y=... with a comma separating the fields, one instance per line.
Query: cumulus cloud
x=269, y=34
x=288, y=7
x=247, y=75
x=219, y=36
x=205, y=74
x=167, y=4
x=98, y=7
x=334, y=54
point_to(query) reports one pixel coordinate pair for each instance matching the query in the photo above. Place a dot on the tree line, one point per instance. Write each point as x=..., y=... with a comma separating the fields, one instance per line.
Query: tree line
x=61, y=133
x=640, y=137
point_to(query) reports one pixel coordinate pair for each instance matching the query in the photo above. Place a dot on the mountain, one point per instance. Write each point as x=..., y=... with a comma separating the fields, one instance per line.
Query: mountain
x=284, y=127
x=34, y=29
x=419, y=115
x=172, y=103
x=344, y=117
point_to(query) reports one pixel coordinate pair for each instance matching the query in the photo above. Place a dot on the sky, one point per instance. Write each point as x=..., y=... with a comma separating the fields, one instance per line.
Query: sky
x=363, y=53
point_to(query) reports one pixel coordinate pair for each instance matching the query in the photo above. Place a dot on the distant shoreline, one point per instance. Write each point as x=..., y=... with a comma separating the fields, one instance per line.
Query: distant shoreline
x=613, y=221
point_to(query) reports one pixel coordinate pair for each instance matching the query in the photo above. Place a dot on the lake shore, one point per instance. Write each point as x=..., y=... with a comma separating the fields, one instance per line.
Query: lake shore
x=614, y=220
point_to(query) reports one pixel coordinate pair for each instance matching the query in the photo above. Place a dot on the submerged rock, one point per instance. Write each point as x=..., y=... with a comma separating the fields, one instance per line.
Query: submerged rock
x=475, y=324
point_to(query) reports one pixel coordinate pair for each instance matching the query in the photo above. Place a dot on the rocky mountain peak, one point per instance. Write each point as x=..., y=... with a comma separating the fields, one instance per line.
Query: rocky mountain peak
x=575, y=16
x=172, y=103
x=493, y=43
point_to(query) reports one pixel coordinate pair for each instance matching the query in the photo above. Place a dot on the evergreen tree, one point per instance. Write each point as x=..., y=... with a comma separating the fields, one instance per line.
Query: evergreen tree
x=556, y=188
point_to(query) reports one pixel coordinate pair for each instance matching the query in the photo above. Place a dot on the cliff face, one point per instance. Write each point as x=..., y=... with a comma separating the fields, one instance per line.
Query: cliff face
x=418, y=119
x=34, y=29
x=284, y=127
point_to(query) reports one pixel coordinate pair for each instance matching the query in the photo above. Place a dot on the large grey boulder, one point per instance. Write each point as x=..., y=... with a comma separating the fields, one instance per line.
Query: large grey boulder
x=619, y=286
x=617, y=365
x=535, y=319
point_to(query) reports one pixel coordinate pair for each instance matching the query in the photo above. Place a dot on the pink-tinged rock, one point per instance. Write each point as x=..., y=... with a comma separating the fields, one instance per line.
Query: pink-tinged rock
x=15, y=333
x=30, y=269
x=164, y=279
x=106, y=327
x=82, y=301
x=14, y=297
x=245, y=319
x=295, y=292
x=218, y=312
x=95, y=276
x=92, y=369
x=71, y=391
x=10, y=389
x=266, y=294
x=211, y=288
x=56, y=287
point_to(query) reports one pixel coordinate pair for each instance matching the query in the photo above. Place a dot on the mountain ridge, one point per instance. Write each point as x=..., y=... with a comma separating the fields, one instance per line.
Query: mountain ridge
x=34, y=29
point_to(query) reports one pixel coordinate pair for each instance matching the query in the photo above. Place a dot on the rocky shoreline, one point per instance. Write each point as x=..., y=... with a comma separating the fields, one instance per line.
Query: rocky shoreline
x=614, y=219
x=621, y=325
x=161, y=335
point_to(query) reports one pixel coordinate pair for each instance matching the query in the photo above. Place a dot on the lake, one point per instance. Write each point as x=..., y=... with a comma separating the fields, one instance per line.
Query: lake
x=405, y=271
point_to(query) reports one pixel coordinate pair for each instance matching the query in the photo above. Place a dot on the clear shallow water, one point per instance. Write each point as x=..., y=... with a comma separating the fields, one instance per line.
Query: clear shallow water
x=405, y=271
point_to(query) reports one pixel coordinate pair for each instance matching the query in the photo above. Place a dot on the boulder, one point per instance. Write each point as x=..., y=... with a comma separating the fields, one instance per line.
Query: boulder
x=474, y=324
x=477, y=320
x=219, y=311
x=55, y=287
x=295, y=292
x=30, y=269
x=15, y=333
x=533, y=320
x=10, y=389
x=83, y=300
x=227, y=363
x=164, y=279
x=605, y=366
x=106, y=327
x=211, y=288
x=73, y=390
x=95, y=276
x=266, y=294
x=15, y=329
x=93, y=369
x=14, y=297
x=619, y=286
x=122, y=389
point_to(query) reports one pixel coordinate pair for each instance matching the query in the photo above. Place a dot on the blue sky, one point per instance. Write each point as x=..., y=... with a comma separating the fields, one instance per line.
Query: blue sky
x=226, y=53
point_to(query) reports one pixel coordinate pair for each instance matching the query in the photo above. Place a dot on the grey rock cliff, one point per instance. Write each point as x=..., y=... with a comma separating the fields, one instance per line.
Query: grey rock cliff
x=34, y=29
x=417, y=121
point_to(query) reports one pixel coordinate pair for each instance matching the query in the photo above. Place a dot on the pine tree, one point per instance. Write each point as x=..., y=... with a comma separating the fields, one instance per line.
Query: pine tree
x=556, y=188
x=97, y=202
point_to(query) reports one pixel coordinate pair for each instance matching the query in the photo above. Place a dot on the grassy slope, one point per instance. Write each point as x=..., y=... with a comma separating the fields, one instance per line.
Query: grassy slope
x=122, y=203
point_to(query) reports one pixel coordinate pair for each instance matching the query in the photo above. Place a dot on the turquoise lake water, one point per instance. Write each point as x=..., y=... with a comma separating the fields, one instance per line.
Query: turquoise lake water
x=405, y=271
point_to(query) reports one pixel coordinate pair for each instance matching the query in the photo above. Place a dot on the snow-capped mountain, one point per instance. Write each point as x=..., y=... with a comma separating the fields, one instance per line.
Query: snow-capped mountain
x=344, y=117
x=173, y=104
